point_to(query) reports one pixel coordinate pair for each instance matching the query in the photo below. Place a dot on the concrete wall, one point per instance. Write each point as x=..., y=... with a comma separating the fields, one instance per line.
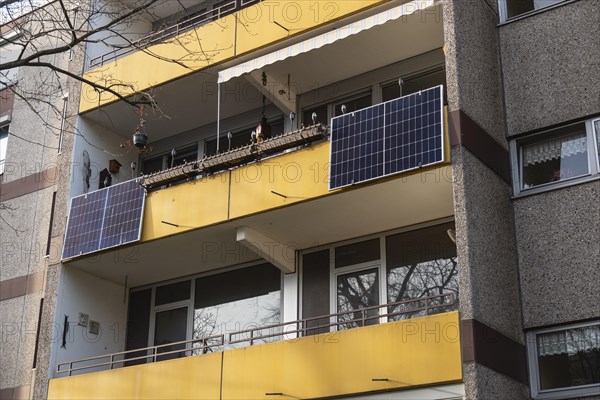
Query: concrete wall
x=485, y=233
x=104, y=302
x=35, y=170
x=551, y=65
x=473, y=64
x=559, y=255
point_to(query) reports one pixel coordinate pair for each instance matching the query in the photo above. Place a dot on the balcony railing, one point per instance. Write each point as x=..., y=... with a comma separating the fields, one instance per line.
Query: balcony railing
x=237, y=157
x=183, y=25
x=270, y=333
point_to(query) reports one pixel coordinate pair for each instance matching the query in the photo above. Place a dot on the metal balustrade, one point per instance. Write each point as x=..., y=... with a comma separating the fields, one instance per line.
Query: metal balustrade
x=285, y=330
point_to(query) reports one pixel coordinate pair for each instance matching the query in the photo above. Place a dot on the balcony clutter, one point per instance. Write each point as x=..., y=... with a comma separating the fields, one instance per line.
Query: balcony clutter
x=237, y=157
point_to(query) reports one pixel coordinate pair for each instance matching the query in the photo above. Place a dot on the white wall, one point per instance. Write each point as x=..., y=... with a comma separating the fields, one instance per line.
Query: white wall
x=105, y=147
x=104, y=302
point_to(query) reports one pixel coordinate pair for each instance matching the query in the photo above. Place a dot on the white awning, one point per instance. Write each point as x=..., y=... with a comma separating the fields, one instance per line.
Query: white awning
x=324, y=39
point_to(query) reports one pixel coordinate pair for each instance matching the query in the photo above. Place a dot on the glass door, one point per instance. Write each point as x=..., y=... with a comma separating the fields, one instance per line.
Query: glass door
x=170, y=326
x=356, y=291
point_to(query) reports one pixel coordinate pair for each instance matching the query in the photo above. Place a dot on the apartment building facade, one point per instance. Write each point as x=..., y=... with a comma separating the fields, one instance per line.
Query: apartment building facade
x=38, y=110
x=363, y=199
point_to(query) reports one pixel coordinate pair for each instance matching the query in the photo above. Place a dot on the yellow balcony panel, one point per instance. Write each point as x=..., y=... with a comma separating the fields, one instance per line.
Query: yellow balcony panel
x=186, y=53
x=280, y=181
x=187, y=378
x=417, y=352
x=268, y=22
x=405, y=354
x=189, y=205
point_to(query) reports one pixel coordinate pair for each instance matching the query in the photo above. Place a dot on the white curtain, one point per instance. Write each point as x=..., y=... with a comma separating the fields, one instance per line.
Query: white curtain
x=570, y=341
x=553, y=149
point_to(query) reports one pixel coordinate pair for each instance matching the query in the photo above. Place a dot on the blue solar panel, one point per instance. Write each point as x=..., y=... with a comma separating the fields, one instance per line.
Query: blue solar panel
x=104, y=218
x=123, y=216
x=388, y=138
x=85, y=224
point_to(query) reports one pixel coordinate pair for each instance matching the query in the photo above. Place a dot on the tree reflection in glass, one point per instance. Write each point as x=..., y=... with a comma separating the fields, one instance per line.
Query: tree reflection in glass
x=237, y=300
x=418, y=281
x=355, y=291
x=236, y=316
x=420, y=264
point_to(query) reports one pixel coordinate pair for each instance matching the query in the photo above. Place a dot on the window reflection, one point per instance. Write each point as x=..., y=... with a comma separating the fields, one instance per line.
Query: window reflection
x=236, y=300
x=420, y=264
x=355, y=291
x=569, y=358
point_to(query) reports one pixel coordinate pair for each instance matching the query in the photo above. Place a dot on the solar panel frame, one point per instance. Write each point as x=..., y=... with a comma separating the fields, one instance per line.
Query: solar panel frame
x=433, y=97
x=121, y=202
x=79, y=240
x=84, y=228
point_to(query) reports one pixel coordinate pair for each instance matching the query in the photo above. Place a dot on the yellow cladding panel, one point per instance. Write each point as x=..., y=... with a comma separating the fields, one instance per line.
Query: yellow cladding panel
x=271, y=21
x=188, y=378
x=416, y=352
x=190, y=205
x=194, y=50
x=300, y=175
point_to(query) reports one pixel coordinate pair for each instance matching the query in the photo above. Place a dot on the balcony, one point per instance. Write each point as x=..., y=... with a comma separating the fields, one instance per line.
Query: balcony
x=268, y=196
x=371, y=357
x=211, y=38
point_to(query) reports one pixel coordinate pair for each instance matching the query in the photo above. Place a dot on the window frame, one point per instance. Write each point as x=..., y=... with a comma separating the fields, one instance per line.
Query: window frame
x=380, y=263
x=503, y=10
x=516, y=152
x=189, y=303
x=534, y=376
x=348, y=269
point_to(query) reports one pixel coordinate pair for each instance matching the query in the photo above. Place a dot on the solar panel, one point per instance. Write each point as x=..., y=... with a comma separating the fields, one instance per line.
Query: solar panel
x=105, y=218
x=388, y=138
x=123, y=216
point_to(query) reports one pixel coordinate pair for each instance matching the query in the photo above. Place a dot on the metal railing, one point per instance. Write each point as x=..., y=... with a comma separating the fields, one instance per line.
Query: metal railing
x=181, y=26
x=236, y=157
x=302, y=327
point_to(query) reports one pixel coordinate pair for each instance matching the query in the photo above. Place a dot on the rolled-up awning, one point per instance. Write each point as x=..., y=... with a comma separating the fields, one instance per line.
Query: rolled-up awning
x=325, y=39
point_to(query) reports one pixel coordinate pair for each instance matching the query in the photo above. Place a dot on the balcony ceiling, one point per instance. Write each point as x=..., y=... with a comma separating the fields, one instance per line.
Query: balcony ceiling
x=191, y=101
x=353, y=213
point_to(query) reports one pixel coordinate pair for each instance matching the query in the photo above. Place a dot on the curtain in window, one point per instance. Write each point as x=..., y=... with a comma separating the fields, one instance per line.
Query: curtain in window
x=554, y=149
x=570, y=341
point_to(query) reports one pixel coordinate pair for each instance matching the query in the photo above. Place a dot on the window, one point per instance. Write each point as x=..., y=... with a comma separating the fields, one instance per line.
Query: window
x=166, y=161
x=237, y=300
x=239, y=138
x=556, y=158
x=513, y=8
x=321, y=112
x=414, y=83
x=327, y=111
x=420, y=264
x=352, y=104
x=401, y=268
x=3, y=143
x=565, y=362
x=200, y=307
